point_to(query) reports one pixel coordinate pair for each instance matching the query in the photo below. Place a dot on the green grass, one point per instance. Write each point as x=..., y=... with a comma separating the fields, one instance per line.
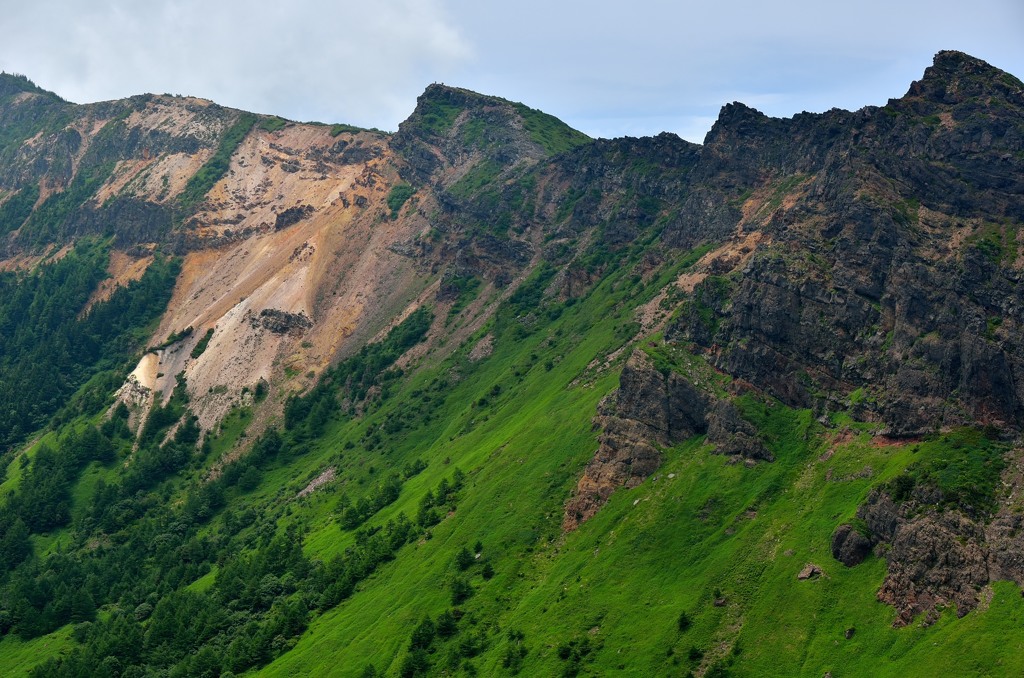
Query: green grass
x=397, y=197
x=341, y=128
x=906, y=212
x=468, y=288
x=20, y=656
x=549, y=132
x=479, y=177
x=964, y=465
x=622, y=580
x=437, y=117
x=200, y=183
x=519, y=424
x=997, y=242
x=273, y=124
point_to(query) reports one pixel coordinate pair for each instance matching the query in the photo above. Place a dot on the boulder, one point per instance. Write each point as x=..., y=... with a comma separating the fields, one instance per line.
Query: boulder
x=849, y=546
x=810, y=571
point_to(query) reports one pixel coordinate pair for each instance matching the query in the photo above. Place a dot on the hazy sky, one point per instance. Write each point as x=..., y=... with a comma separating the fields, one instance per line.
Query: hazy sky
x=607, y=68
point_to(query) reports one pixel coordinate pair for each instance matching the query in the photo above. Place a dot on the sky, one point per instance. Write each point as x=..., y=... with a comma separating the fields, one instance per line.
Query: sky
x=608, y=68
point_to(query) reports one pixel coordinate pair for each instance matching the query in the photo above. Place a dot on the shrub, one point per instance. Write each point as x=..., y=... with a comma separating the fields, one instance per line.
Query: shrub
x=461, y=590
x=397, y=197
x=464, y=559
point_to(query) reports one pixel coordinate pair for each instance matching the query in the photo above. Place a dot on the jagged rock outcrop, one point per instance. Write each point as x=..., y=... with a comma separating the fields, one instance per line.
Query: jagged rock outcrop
x=649, y=410
x=732, y=435
x=653, y=409
x=292, y=216
x=934, y=558
x=891, y=271
x=454, y=130
x=282, y=322
x=888, y=286
x=937, y=557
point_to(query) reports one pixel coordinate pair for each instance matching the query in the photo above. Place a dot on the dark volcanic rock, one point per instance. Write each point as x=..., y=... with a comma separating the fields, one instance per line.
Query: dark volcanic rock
x=732, y=435
x=906, y=293
x=650, y=410
x=292, y=216
x=849, y=546
x=934, y=558
x=282, y=322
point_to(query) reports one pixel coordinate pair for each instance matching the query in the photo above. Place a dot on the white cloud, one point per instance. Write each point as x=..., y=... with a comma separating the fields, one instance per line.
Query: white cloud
x=349, y=61
x=607, y=67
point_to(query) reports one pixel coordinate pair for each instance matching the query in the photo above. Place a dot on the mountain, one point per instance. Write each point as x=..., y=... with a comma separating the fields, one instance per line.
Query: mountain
x=485, y=395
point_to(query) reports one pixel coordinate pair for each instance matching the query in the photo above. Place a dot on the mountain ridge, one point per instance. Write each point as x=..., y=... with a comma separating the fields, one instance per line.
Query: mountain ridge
x=655, y=381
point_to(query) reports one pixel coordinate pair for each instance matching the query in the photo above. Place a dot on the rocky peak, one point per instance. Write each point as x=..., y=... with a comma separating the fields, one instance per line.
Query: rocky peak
x=452, y=129
x=735, y=119
x=955, y=77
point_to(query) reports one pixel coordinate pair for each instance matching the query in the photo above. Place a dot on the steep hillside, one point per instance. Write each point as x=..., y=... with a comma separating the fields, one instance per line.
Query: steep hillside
x=487, y=396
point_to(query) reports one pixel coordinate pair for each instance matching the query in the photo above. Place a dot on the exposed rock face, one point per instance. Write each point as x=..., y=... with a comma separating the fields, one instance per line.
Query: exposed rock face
x=889, y=262
x=934, y=558
x=913, y=293
x=810, y=571
x=849, y=546
x=732, y=435
x=649, y=411
x=937, y=557
x=443, y=134
x=892, y=269
x=282, y=322
x=291, y=216
x=666, y=409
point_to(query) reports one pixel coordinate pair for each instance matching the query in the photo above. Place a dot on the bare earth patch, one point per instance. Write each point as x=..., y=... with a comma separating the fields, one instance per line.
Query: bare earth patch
x=122, y=269
x=318, y=482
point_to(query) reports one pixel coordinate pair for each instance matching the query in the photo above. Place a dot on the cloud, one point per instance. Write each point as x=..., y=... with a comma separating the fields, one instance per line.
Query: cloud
x=606, y=67
x=355, y=62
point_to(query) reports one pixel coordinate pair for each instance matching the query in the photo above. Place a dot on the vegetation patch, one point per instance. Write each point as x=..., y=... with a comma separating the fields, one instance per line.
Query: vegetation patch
x=965, y=466
x=357, y=375
x=274, y=123
x=200, y=347
x=50, y=351
x=997, y=242
x=16, y=209
x=465, y=289
x=341, y=128
x=479, y=177
x=437, y=117
x=200, y=183
x=548, y=131
x=48, y=222
x=397, y=197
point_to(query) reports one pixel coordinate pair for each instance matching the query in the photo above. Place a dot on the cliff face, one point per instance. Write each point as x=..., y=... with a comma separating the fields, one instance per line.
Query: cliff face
x=895, y=260
x=884, y=282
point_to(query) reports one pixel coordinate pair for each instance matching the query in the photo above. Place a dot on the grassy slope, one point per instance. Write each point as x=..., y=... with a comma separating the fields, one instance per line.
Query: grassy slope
x=621, y=581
